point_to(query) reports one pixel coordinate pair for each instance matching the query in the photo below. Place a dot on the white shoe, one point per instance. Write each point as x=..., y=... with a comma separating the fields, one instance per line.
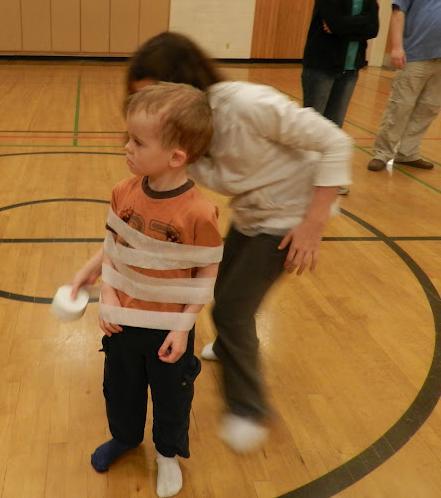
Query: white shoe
x=208, y=353
x=242, y=434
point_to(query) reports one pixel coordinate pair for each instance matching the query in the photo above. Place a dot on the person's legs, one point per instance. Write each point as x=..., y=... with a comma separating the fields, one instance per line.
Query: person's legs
x=253, y=264
x=172, y=388
x=235, y=243
x=406, y=89
x=329, y=94
x=317, y=87
x=125, y=391
x=340, y=96
x=426, y=109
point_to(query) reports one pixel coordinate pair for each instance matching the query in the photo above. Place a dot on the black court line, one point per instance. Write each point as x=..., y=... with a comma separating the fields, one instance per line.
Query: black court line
x=35, y=299
x=57, y=199
x=414, y=417
x=80, y=240
x=32, y=299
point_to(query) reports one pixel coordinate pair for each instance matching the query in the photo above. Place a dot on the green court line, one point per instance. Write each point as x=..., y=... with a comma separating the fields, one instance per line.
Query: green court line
x=403, y=171
x=360, y=127
x=77, y=112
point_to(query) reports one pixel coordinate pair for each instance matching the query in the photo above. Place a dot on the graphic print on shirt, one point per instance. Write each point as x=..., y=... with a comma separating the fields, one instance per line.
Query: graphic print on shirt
x=169, y=231
x=136, y=221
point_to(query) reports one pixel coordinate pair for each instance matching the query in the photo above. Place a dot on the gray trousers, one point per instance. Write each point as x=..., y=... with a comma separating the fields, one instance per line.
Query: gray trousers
x=249, y=268
x=414, y=103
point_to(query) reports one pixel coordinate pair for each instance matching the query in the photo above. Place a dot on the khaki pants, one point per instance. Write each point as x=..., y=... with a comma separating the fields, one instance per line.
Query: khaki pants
x=414, y=103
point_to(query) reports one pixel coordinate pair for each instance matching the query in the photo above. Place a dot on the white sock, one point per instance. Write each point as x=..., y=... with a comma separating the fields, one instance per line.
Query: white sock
x=242, y=434
x=169, y=480
x=208, y=353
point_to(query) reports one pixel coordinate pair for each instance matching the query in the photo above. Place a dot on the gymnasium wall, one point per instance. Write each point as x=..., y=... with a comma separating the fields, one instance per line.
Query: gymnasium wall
x=88, y=27
x=226, y=28
x=234, y=29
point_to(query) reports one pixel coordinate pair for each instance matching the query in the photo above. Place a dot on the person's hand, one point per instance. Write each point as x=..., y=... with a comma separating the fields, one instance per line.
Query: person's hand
x=83, y=277
x=326, y=28
x=174, y=346
x=108, y=296
x=398, y=58
x=304, y=243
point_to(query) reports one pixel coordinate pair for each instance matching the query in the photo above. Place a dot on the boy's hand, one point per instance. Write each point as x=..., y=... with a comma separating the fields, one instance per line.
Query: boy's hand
x=82, y=278
x=174, y=346
x=303, y=242
x=88, y=274
x=108, y=296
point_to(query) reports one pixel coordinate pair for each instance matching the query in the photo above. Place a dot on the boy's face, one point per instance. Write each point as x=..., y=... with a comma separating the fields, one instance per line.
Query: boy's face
x=145, y=154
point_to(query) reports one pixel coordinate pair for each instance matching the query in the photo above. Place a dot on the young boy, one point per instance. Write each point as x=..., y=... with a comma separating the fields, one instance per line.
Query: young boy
x=160, y=260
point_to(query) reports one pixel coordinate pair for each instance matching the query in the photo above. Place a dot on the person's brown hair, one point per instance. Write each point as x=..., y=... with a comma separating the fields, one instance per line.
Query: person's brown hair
x=183, y=112
x=174, y=58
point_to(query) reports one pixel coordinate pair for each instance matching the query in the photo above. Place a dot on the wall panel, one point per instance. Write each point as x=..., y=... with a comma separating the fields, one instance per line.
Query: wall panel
x=10, y=25
x=154, y=18
x=280, y=28
x=66, y=25
x=124, y=25
x=95, y=26
x=379, y=51
x=223, y=27
x=36, y=25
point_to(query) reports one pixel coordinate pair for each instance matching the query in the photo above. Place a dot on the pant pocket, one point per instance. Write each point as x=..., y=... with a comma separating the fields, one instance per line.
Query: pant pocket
x=191, y=372
x=104, y=344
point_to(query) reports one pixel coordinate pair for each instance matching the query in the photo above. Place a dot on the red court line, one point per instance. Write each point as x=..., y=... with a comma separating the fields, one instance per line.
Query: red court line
x=58, y=137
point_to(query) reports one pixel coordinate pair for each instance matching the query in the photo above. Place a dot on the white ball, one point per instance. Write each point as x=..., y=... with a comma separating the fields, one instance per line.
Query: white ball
x=65, y=308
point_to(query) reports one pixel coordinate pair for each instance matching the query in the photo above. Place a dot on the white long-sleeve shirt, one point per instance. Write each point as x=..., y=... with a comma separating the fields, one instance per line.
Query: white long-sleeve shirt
x=268, y=153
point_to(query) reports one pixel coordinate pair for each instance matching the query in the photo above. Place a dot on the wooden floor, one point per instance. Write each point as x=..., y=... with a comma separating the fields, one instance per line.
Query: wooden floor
x=352, y=352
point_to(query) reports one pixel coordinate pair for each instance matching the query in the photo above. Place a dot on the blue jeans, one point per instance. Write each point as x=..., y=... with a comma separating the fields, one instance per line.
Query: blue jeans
x=328, y=92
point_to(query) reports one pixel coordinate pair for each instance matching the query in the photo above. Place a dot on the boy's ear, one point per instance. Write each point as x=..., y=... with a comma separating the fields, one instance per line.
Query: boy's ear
x=178, y=158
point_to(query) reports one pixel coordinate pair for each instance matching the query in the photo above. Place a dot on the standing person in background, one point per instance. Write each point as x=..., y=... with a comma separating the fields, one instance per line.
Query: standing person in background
x=415, y=99
x=281, y=166
x=335, y=51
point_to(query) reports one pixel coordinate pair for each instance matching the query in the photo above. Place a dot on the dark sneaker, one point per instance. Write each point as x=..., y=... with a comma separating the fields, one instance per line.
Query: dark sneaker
x=418, y=163
x=376, y=165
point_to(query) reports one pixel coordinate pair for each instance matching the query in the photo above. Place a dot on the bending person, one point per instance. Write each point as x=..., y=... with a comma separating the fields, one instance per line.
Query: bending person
x=281, y=165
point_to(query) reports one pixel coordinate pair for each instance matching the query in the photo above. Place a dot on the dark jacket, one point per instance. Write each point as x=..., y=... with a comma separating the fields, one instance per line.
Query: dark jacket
x=328, y=50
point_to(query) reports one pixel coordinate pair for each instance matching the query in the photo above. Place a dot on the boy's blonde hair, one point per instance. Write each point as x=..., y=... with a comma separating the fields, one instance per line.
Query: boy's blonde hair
x=184, y=113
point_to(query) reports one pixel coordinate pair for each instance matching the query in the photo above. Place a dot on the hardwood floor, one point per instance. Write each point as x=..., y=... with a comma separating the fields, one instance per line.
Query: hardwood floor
x=351, y=352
